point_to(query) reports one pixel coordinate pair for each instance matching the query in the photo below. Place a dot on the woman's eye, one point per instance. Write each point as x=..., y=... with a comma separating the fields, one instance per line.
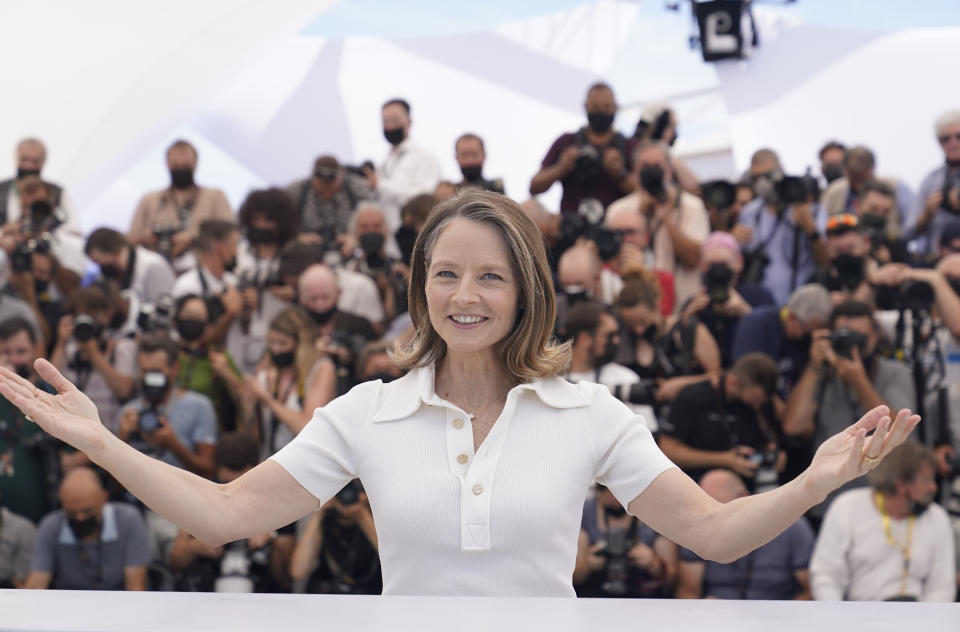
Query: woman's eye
x=492, y=276
x=446, y=274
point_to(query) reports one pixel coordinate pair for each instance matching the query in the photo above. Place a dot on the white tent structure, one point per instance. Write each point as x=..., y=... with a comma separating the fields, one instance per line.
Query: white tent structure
x=262, y=89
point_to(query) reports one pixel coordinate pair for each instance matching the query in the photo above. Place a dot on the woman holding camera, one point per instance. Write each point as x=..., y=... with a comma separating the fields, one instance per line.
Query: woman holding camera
x=476, y=462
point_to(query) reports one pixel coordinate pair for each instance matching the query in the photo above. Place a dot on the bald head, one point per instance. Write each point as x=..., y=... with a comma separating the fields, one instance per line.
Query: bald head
x=723, y=485
x=369, y=219
x=317, y=288
x=81, y=491
x=30, y=154
x=579, y=265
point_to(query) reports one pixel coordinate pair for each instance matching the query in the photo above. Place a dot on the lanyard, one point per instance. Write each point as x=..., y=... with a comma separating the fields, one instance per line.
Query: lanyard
x=905, y=551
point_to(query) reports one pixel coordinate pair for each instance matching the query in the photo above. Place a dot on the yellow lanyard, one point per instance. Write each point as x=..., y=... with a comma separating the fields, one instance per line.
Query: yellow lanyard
x=905, y=551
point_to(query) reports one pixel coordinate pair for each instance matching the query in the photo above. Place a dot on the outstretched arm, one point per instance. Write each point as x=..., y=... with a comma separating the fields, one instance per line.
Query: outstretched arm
x=676, y=507
x=261, y=500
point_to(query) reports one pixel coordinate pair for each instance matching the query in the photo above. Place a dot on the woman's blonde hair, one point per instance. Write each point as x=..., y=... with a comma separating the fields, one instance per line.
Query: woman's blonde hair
x=640, y=287
x=295, y=323
x=528, y=351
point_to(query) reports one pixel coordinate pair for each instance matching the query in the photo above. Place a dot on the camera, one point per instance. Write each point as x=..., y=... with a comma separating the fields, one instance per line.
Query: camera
x=156, y=316
x=42, y=218
x=21, y=260
x=917, y=296
x=587, y=164
x=875, y=226
x=642, y=392
x=587, y=222
x=164, y=234
x=717, y=280
x=350, y=494
x=755, y=263
x=85, y=328
x=844, y=340
x=719, y=194
x=797, y=189
x=148, y=419
x=618, y=568
x=766, y=477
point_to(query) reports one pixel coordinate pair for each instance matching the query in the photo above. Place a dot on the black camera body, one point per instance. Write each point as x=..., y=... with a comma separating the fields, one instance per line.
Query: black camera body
x=587, y=164
x=917, y=296
x=350, y=494
x=717, y=280
x=85, y=328
x=148, y=419
x=843, y=342
x=797, y=189
x=617, y=567
x=157, y=316
x=577, y=225
x=21, y=260
x=755, y=264
x=164, y=235
x=642, y=392
x=719, y=194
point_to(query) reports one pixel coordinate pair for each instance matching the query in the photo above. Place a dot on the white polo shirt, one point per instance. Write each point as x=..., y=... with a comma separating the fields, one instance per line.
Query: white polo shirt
x=503, y=521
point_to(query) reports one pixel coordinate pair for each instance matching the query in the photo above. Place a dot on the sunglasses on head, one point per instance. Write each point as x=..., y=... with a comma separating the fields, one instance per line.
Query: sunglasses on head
x=844, y=222
x=946, y=138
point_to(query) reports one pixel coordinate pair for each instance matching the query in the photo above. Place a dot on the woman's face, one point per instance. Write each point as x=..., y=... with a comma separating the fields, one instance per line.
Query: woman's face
x=278, y=342
x=471, y=289
x=639, y=318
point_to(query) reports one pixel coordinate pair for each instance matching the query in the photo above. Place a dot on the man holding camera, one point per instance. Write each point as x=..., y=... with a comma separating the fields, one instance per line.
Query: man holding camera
x=851, y=270
x=167, y=220
x=147, y=274
x=780, y=229
x=327, y=200
x=845, y=195
x=365, y=253
x=677, y=220
x=728, y=421
x=470, y=155
x=592, y=163
x=938, y=199
x=845, y=376
x=174, y=425
x=30, y=156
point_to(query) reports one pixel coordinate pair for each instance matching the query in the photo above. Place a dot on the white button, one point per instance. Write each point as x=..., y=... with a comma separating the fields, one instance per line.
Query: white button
x=477, y=490
x=462, y=459
x=458, y=423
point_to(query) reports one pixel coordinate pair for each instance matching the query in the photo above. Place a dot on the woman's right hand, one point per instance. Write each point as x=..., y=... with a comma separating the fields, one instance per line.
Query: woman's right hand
x=69, y=415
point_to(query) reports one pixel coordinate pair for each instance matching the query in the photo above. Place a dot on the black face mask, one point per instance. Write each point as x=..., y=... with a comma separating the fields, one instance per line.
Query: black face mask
x=322, y=318
x=181, y=178
x=651, y=179
x=406, y=237
x=23, y=173
x=282, y=360
x=190, y=329
x=614, y=512
x=83, y=528
x=609, y=353
x=600, y=122
x=393, y=136
x=575, y=296
x=40, y=287
x=117, y=320
x=110, y=271
x=262, y=235
x=650, y=333
x=23, y=370
x=472, y=173
x=832, y=172
x=917, y=508
x=371, y=243
x=849, y=269
x=154, y=387
x=230, y=264
x=386, y=378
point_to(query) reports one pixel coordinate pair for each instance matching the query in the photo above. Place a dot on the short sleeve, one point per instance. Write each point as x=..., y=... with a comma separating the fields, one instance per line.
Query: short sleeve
x=628, y=459
x=45, y=544
x=136, y=551
x=205, y=429
x=27, y=535
x=801, y=544
x=553, y=154
x=323, y=457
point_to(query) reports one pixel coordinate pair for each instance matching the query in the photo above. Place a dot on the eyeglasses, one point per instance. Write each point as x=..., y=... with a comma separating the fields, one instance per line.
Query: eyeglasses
x=946, y=138
x=846, y=221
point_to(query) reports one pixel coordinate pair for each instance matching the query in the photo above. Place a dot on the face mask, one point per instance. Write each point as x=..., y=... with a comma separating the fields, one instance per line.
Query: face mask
x=282, y=360
x=23, y=370
x=609, y=353
x=190, y=329
x=917, y=508
x=651, y=179
x=110, y=271
x=386, y=378
x=322, y=318
x=575, y=294
x=262, y=235
x=393, y=136
x=40, y=287
x=83, y=528
x=154, y=387
x=230, y=264
x=23, y=173
x=599, y=122
x=181, y=178
x=371, y=243
x=849, y=269
x=471, y=173
x=615, y=512
x=832, y=171
x=650, y=333
x=406, y=237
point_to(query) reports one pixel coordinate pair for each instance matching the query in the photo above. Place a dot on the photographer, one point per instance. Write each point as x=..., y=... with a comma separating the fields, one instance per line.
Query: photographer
x=938, y=199
x=258, y=564
x=596, y=340
x=677, y=219
x=722, y=299
x=724, y=201
x=592, y=163
x=729, y=421
x=845, y=195
x=470, y=154
x=30, y=156
x=144, y=272
x=780, y=229
x=851, y=271
x=165, y=421
x=337, y=552
x=619, y=556
x=167, y=220
x=776, y=570
x=213, y=278
x=879, y=222
x=326, y=201
x=845, y=376
x=103, y=368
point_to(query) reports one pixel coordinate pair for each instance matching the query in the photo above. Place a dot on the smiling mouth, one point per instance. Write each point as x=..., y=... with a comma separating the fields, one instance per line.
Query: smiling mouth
x=467, y=321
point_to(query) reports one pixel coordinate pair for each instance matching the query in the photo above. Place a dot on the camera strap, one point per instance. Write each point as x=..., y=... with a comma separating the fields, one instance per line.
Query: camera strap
x=127, y=278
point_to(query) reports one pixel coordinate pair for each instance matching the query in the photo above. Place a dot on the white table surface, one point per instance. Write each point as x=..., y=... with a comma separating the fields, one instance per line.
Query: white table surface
x=74, y=611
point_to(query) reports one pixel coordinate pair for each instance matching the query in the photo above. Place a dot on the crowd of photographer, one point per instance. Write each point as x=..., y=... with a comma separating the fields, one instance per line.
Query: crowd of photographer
x=743, y=321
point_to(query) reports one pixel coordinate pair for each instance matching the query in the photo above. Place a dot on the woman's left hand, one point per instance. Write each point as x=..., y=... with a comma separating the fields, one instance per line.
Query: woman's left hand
x=849, y=454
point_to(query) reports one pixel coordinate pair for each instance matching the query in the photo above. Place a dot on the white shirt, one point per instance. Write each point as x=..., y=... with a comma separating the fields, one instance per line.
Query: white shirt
x=853, y=560
x=613, y=375
x=359, y=295
x=407, y=171
x=190, y=283
x=152, y=275
x=503, y=521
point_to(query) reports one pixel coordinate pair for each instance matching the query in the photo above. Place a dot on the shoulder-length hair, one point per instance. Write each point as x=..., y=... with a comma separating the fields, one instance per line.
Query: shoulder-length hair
x=293, y=322
x=528, y=351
